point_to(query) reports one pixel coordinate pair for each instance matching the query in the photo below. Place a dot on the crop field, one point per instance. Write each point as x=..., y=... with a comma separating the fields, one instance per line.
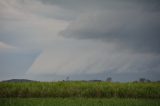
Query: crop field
x=80, y=89
x=79, y=94
x=78, y=102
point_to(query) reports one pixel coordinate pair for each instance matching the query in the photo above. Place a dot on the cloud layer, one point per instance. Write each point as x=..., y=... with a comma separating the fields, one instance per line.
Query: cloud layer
x=85, y=39
x=135, y=28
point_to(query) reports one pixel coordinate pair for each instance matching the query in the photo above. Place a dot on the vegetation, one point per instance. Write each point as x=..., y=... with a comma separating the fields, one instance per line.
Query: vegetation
x=79, y=89
x=78, y=102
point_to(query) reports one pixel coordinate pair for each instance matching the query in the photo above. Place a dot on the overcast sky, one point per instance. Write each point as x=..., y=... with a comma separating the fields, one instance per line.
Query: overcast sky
x=84, y=39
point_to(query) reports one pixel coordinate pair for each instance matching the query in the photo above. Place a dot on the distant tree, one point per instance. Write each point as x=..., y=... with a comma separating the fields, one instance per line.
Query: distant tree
x=142, y=80
x=109, y=79
x=147, y=80
x=158, y=81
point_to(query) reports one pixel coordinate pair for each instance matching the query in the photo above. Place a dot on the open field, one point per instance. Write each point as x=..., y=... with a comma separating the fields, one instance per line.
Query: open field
x=78, y=102
x=79, y=94
x=80, y=89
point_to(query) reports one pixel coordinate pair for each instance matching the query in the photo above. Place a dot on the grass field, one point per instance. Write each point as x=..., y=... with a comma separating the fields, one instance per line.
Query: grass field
x=79, y=94
x=78, y=102
x=80, y=89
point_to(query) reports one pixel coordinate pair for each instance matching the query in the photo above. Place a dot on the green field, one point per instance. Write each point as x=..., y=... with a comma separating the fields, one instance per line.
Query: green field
x=78, y=102
x=79, y=94
x=80, y=89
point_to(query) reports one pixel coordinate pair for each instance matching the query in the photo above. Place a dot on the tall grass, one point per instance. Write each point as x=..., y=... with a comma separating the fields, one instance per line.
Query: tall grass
x=80, y=89
x=77, y=102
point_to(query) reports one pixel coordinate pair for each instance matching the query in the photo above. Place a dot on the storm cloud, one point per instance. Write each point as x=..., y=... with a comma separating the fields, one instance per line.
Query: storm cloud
x=136, y=28
x=83, y=39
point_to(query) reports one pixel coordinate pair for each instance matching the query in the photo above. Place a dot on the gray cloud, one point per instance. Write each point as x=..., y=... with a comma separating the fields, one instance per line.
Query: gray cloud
x=24, y=24
x=135, y=28
x=113, y=37
x=82, y=5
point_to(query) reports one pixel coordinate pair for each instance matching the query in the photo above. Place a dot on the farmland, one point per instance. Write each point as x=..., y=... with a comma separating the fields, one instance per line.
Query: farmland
x=80, y=89
x=78, y=102
x=77, y=93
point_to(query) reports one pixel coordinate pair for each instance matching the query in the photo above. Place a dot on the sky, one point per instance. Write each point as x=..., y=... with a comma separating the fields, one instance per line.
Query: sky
x=49, y=40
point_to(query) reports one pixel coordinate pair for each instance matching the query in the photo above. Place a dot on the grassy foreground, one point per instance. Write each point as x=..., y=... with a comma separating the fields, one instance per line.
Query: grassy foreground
x=77, y=102
x=80, y=89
